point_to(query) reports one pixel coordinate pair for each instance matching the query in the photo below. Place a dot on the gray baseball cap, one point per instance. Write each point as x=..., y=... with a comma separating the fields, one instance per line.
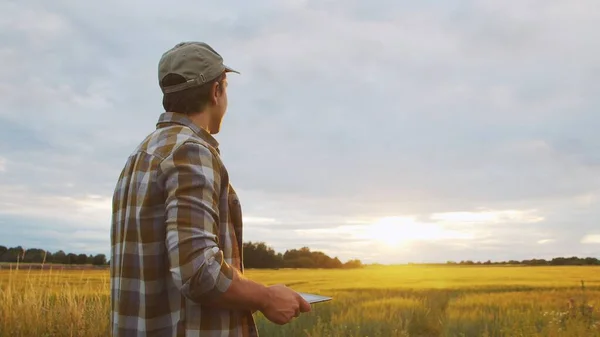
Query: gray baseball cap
x=197, y=62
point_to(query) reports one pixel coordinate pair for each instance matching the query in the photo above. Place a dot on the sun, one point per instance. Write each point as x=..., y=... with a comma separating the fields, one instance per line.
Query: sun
x=397, y=231
x=389, y=230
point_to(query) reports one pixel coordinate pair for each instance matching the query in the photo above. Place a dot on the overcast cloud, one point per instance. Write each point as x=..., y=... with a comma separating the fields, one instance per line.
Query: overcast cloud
x=471, y=127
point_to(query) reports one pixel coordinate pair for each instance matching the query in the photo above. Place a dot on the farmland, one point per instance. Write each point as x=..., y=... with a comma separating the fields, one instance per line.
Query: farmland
x=410, y=300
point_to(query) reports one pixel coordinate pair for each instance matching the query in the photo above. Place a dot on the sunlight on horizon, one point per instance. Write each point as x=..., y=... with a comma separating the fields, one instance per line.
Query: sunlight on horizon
x=397, y=231
x=390, y=232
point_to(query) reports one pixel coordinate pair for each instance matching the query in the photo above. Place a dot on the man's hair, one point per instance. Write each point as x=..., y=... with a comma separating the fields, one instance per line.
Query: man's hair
x=191, y=100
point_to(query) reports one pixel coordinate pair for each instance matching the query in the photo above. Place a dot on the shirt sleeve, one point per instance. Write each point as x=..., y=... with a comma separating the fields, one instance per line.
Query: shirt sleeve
x=192, y=184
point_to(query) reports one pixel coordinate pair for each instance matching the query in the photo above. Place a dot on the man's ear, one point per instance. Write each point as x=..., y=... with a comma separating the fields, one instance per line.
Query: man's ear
x=215, y=92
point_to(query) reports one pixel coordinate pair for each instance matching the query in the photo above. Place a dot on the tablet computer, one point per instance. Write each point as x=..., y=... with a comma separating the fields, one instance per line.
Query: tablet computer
x=314, y=298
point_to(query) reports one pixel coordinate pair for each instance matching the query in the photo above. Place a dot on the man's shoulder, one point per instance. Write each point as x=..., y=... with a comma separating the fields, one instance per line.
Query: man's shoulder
x=164, y=142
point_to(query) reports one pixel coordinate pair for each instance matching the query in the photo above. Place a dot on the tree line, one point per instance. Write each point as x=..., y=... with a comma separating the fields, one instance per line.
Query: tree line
x=259, y=255
x=256, y=255
x=36, y=255
x=557, y=261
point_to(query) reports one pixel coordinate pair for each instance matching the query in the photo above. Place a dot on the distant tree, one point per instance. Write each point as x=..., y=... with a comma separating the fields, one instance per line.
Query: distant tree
x=49, y=257
x=12, y=254
x=99, y=260
x=301, y=262
x=71, y=258
x=259, y=255
x=81, y=259
x=535, y=262
x=34, y=255
x=335, y=263
x=59, y=257
x=353, y=264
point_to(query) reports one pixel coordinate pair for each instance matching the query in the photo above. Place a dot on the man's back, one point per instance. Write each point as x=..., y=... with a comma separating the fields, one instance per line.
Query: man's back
x=172, y=204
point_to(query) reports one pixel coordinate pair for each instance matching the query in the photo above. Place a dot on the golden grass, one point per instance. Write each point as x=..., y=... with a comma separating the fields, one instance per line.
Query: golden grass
x=374, y=301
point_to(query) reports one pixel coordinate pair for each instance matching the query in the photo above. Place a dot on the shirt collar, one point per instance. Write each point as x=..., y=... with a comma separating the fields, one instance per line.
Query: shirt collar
x=182, y=119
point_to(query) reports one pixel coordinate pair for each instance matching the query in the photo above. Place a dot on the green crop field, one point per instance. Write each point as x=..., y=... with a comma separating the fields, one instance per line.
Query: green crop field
x=374, y=301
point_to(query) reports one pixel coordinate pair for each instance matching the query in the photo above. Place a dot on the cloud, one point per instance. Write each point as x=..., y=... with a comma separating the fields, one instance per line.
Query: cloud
x=258, y=220
x=591, y=239
x=488, y=217
x=89, y=211
x=38, y=26
x=476, y=118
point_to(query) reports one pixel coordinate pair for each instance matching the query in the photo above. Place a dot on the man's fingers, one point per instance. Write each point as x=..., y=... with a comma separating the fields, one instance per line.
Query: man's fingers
x=304, y=305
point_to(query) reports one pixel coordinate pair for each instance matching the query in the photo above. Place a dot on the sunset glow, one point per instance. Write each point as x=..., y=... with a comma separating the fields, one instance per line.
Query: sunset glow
x=398, y=231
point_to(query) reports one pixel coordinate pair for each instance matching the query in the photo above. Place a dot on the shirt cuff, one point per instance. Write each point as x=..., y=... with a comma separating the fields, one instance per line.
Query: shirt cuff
x=212, y=280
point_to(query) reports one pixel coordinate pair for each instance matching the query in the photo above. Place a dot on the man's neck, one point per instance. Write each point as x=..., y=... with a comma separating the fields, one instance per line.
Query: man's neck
x=201, y=120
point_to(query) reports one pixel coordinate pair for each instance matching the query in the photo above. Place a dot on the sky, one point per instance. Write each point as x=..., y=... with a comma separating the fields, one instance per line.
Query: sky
x=388, y=131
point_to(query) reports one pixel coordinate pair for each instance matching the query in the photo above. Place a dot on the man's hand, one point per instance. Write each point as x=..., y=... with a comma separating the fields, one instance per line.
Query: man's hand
x=283, y=304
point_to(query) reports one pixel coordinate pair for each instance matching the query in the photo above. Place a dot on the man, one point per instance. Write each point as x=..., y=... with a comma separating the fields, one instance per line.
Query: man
x=176, y=236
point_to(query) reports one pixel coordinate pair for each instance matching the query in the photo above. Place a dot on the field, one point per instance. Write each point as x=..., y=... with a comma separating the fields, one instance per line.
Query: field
x=375, y=301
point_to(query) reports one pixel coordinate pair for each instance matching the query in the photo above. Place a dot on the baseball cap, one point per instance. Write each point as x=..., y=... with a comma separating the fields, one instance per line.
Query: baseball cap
x=197, y=62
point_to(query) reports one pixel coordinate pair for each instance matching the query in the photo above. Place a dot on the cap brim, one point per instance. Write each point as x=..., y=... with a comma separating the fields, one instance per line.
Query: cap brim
x=231, y=70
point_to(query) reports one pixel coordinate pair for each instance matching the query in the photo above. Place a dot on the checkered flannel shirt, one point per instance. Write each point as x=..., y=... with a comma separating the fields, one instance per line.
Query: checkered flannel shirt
x=176, y=235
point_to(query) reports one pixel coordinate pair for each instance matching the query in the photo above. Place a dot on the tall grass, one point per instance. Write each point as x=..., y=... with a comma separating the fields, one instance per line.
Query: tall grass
x=375, y=301
x=54, y=303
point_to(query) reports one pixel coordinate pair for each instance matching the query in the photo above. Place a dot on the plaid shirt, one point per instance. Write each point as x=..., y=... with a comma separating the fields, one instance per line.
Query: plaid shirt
x=176, y=235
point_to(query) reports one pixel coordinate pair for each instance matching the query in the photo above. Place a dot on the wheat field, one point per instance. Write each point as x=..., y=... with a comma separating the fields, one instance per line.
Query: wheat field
x=413, y=300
